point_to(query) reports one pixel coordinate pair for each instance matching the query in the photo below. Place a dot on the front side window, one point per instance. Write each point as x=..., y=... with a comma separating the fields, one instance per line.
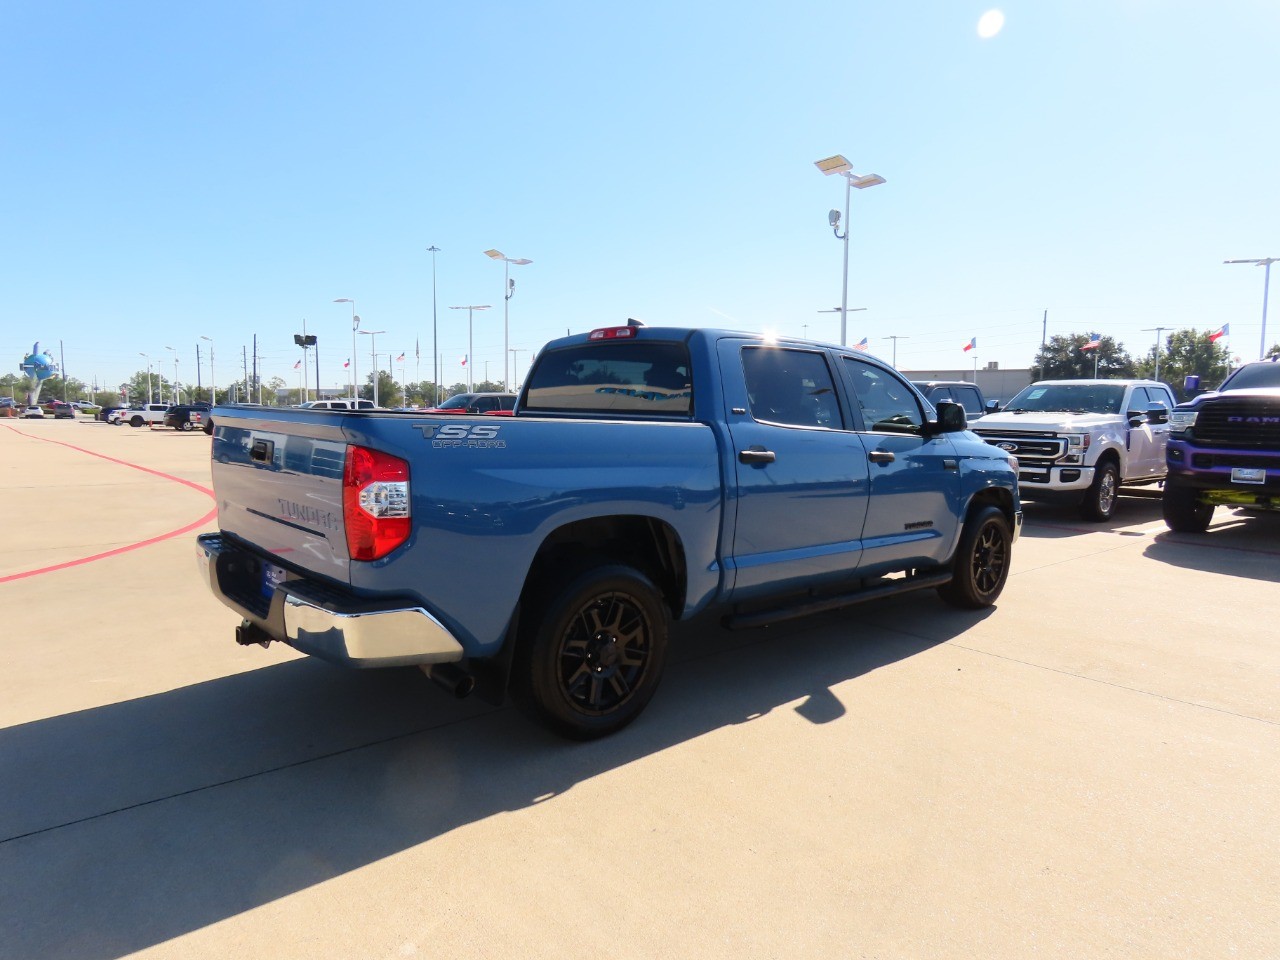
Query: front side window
x=792, y=387
x=888, y=405
x=626, y=376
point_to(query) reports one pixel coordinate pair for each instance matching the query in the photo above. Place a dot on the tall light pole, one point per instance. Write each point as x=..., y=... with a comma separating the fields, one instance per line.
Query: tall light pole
x=842, y=312
x=895, y=338
x=373, y=358
x=435, y=349
x=1266, y=285
x=515, y=366
x=840, y=165
x=508, y=288
x=471, y=360
x=1157, y=331
x=148, y=376
x=213, y=382
x=174, y=392
x=355, y=325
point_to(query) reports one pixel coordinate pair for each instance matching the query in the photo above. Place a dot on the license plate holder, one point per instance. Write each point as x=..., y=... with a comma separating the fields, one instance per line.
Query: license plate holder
x=1248, y=475
x=272, y=577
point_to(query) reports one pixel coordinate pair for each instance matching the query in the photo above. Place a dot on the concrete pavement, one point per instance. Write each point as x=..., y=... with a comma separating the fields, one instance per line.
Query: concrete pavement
x=1090, y=769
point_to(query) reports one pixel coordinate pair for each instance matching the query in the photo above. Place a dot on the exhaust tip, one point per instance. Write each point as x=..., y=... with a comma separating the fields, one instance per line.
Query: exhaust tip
x=452, y=678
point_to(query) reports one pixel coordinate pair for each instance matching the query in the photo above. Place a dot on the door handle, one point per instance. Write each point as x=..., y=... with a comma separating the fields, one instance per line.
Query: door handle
x=881, y=456
x=756, y=455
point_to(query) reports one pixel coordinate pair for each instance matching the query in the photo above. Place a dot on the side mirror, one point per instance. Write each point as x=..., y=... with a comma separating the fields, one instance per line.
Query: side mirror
x=1157, y=413
x=951, y=417
x=993, y=406
x=1136, y=418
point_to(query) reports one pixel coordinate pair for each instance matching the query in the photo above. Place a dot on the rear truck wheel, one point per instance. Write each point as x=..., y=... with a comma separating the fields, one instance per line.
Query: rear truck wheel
x=1183, y=511
x=136, y=422
x=591, y=656
x=187, y=425
x=981, y=564
x=1100, y=499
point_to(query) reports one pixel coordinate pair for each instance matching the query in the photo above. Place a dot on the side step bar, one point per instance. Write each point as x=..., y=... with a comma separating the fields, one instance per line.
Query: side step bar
x=890, y=588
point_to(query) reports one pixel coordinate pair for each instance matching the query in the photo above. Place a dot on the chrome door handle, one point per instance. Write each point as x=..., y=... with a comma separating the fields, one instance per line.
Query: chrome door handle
x=756, y=455
x=880, y=456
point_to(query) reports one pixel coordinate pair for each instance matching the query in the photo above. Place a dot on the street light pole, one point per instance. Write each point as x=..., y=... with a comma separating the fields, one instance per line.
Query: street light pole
x=508, y=288
x=471, y=360
x=435, y=354
x=1157, y=331
x=173, y=393
x=843, y=313
x=1266, y=286
x=213, y=383
x=355, y=325
x=373, y=358
x=838, y=164
x=148, y=376
x=515, y=366
x=895, y=338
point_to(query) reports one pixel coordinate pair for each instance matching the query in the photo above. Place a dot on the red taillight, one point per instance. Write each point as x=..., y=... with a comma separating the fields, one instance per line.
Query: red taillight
x=612, y=333
x=375, y=502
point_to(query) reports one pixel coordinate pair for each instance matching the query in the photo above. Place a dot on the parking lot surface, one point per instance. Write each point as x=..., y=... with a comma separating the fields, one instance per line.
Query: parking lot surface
x=1089, y=769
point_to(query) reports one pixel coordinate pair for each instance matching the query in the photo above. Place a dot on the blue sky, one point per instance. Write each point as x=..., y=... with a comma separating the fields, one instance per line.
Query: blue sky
x=229, y=169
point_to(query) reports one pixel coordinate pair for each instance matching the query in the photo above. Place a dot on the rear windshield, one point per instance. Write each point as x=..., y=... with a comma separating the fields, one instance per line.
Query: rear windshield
x=631, y=376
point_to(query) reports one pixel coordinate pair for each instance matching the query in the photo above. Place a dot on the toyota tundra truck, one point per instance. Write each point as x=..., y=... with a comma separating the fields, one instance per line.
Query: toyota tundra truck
x=646, y=475
x=1224, y=449
x=1081, y=441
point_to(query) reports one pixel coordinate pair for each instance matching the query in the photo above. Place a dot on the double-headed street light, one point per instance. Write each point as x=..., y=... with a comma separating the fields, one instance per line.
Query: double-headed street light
x=840, y=165
x=471, y=360
x=508, y=288
x=355, y=325
x=1266, y=285
x=373, y=357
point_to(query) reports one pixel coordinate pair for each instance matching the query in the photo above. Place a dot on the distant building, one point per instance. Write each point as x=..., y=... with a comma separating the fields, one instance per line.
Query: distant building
x=995, y=384
x=286, y=394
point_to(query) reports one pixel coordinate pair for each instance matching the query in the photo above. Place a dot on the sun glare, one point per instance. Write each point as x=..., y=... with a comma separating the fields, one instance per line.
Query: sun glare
x=989, y=24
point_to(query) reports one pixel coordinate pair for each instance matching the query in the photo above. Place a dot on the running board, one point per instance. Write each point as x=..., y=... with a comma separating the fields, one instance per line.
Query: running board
x=746, y=621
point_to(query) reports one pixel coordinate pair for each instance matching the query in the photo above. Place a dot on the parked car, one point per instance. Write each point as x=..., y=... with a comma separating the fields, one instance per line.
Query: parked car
x=104, y=413
x=144, y=414
x=186, y=416
x=475, y=403
x=339, y=405
x=33, y=413
x=1082, y=440
x=967, y=394
x=60, y=410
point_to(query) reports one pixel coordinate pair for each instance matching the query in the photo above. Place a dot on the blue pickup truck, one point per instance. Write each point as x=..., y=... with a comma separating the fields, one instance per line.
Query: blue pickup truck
x=646, y=475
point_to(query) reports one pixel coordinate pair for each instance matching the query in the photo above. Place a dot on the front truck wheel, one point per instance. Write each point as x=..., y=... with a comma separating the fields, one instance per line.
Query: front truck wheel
x=1183, y=511
x=981, y=564
x=592, y=654
x=1100, y=499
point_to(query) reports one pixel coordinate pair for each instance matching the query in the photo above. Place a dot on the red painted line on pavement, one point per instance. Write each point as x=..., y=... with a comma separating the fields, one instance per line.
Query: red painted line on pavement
x=127, y=547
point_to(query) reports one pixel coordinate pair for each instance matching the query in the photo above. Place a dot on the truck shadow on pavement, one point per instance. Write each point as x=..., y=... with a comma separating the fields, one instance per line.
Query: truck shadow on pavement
x=1237, y=544
x=1052, y=521
x=130, y=824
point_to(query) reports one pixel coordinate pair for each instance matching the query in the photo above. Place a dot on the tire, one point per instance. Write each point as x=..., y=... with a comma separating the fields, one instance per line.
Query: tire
x=136, y=422
x=591, y=656
x=1183, y=511
x=187, y=425
x=981, y=564
x=1100, y=500
x=208, y=427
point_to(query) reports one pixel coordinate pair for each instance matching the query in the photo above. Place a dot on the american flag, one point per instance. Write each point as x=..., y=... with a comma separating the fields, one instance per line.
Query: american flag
x=861, y=344
x=297, y=365
x=400, y=359
x=1095, y=341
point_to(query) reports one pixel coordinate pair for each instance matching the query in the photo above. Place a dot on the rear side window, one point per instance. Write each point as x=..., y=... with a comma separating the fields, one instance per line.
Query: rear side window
x=967, y=397
x=632, y=376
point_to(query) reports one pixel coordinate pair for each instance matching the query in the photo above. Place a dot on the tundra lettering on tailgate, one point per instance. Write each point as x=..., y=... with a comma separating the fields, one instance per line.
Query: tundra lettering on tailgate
x=476, y=436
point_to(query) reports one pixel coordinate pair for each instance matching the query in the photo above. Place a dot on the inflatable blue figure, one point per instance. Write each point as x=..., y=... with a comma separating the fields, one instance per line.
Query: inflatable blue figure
x=39, y=367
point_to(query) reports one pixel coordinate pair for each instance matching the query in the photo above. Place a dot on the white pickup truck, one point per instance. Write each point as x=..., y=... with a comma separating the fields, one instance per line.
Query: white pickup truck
x=1081, y=440
x=144, y=414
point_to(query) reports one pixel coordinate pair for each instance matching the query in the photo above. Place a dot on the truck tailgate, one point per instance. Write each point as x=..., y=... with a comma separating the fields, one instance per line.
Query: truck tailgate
x=279, y=487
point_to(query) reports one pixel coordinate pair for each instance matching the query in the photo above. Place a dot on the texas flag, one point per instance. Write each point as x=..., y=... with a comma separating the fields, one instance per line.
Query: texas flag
x=971, y=345
x=861, y=344
x=464, y=361
x=1223, y=331
x=400, y=359
x=347, y=364
x=1095, y=341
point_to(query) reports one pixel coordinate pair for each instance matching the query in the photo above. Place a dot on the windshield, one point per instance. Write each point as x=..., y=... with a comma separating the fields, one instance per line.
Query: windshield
x=1068, y=398
x=457, y=402
x=1252, y=376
